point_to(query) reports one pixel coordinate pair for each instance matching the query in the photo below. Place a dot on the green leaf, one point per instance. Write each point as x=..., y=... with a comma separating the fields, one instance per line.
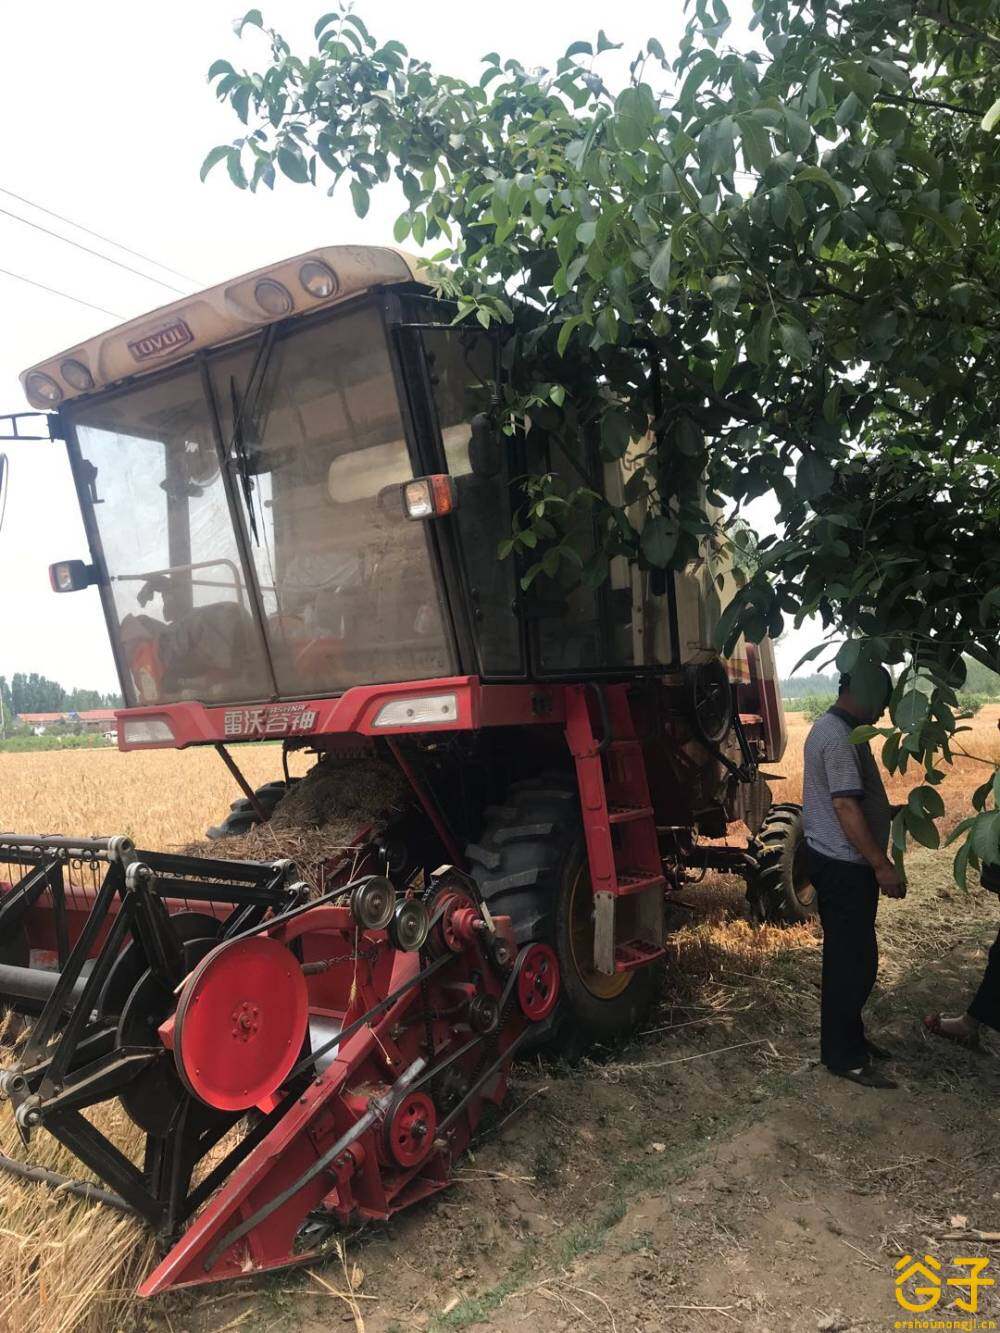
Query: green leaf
x=689, y=437
x=992, y=117
x=820, y=176
x=864, y=733
x=926, y=801
x=402, y=228
x=985, y=838
x=794, y=339
x=615, y=433
x=566, y=332
x=911, y=710
x=293, y=164
x=724, y=290
x=213, y=158
x=659, y=269
x=921, y=828
x=808, y=657
x=360, y=196
x=659, y=540
x=960, y=869
x=235, y=168
x=813, y=476
x=758, y=340
x=251, y=19
x=848, y=655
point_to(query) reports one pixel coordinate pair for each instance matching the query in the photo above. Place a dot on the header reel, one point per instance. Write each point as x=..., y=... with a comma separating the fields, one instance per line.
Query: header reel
x=292, y=1064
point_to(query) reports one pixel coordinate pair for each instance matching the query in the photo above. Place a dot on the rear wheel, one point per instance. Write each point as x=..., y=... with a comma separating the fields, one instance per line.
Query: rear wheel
x=531, y=865
x=781, y=891
x=243, y=817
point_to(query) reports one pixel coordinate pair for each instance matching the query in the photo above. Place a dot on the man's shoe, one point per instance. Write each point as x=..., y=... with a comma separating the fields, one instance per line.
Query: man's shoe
x=867, y=1077
x=877, y=1052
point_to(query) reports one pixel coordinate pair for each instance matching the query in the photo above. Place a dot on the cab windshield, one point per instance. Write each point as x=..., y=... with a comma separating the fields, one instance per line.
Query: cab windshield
x=249, y=524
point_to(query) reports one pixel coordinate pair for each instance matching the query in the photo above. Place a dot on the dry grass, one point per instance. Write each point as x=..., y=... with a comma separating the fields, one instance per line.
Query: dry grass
x=68, y=1266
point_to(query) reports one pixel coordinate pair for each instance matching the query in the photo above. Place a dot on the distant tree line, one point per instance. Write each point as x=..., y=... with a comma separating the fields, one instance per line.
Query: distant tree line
x=33, y=693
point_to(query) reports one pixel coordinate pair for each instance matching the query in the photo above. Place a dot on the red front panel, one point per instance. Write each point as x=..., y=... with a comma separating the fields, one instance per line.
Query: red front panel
x=466, y=704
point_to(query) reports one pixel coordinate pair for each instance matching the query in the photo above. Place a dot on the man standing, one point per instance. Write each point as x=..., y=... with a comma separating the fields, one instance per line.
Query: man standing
x=847, y=819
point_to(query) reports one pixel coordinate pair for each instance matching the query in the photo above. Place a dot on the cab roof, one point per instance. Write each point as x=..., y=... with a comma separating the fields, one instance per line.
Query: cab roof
x=218, y=316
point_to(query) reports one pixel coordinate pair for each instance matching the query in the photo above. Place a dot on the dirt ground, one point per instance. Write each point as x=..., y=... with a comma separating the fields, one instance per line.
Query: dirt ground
x=711, y=1175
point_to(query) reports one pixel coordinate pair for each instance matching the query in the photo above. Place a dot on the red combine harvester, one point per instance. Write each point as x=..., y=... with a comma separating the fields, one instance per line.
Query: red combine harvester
x=293, y=492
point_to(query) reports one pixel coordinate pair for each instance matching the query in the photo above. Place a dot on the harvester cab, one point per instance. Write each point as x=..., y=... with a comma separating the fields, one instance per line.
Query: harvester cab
x=293, y=491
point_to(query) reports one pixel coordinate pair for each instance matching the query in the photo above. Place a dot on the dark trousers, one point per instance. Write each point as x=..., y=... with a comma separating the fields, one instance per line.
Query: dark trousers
x=986, y=1005
x=848, y=902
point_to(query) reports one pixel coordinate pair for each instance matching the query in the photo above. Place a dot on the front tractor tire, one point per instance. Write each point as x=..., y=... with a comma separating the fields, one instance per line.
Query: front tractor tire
x=780, y=891
x=243, y=817
x=531, y=865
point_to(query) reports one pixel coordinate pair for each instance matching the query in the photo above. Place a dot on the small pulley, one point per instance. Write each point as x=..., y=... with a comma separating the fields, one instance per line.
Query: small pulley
x=409, y=1129
x=409, y=926
x=373, y=903
x=538, y=982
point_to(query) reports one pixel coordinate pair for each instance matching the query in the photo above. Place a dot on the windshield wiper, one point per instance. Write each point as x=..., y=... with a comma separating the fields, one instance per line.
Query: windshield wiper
x=245, y=410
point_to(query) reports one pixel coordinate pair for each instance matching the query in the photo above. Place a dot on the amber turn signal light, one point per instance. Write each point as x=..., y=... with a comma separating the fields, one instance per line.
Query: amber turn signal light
x=430, y=497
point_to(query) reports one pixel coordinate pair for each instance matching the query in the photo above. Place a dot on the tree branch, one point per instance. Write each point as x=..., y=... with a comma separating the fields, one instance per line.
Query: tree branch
x=899, y=99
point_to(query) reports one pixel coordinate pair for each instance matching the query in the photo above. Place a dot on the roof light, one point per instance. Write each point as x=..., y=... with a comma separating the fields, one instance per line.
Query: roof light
x=272, y=297
x=417, y=711
x=317, y=279
x=430, y=497
x=76, y=375
x=147, y=731
x=42, y=390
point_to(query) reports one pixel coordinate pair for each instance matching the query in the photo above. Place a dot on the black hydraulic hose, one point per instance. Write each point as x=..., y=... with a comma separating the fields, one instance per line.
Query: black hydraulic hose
x=83, y=1189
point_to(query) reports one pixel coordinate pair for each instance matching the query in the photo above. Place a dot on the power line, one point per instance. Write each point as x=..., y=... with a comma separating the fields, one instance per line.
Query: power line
x=88, y=251
x=137, y=254
x=56, y=292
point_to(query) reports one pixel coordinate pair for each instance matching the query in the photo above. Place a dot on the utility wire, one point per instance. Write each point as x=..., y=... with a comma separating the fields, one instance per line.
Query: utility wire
x=56, y=292
x=87, y=250
x=136, y=254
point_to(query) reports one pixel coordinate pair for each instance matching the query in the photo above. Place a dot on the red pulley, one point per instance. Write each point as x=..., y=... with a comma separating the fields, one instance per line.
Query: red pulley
x=538, y=982
x=240, y=1023
x=410, y=1129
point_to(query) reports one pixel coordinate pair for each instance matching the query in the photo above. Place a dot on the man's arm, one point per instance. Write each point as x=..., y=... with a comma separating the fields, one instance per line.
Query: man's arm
x=852, y=821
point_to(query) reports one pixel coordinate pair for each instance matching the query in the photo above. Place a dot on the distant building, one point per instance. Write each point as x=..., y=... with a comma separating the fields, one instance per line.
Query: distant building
x=98, y=719
x=40, y=722
x=90, y=720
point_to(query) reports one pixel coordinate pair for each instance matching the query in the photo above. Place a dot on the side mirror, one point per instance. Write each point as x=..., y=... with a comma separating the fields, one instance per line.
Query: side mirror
x=484, y=448
x=71, y=576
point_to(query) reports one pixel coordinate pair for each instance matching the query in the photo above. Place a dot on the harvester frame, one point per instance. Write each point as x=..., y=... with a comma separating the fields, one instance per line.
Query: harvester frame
x=303, y=465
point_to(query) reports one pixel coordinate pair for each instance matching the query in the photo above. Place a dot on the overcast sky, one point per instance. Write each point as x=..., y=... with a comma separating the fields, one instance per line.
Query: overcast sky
x=107, y=118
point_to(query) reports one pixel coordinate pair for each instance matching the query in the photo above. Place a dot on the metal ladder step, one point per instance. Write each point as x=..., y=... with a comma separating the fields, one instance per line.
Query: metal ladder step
x=637, y=881
x=627, y=814
x=636, y=953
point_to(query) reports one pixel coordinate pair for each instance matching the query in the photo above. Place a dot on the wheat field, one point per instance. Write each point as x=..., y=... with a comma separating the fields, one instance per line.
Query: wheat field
x=161, y=798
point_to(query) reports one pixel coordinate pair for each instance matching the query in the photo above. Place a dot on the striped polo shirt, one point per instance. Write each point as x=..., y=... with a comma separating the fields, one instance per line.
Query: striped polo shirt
x=835, y=766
